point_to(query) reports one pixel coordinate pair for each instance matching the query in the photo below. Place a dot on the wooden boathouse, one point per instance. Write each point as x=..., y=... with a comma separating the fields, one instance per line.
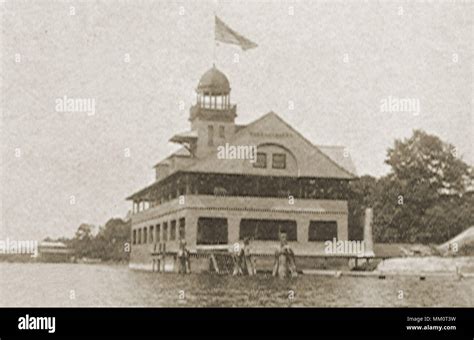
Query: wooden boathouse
x=270, y=180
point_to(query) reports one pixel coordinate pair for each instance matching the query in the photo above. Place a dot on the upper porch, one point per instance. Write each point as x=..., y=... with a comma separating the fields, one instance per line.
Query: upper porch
x=231, y=185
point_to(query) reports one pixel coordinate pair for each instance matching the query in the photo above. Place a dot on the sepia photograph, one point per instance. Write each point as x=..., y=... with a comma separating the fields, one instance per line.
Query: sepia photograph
x=252, y=154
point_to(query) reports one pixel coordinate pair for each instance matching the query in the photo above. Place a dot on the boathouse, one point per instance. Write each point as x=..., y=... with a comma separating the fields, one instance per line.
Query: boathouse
x=54, y=252
x=229, y=181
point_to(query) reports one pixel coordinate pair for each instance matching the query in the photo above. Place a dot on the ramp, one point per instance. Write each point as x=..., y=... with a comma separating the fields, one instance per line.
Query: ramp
x=456, y=244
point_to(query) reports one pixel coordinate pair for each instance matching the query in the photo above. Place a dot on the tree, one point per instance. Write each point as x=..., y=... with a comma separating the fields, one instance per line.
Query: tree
x=82, y=241
x=110, y=242
x=421, y=199
x=449, y=217
x=84, y=232
x=426, y=160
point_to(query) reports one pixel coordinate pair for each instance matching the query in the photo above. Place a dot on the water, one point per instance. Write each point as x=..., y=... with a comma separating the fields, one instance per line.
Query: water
x=69, y=285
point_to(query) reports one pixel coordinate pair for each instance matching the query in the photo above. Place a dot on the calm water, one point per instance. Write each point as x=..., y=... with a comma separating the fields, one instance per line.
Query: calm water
x=67, y=285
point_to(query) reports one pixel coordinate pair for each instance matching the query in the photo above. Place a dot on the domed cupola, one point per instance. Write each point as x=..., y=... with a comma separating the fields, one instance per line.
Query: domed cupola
x=213, y=91
x=214, y=82
x=213, y=116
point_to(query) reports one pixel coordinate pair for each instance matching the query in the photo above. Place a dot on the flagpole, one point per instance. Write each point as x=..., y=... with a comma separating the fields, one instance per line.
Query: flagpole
x=214, y=42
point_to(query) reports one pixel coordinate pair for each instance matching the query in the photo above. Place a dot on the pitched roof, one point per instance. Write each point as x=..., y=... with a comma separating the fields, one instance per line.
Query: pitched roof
x=181, y=152
x=314, y=161
x=331, y=161
x=323, y=161
x=339, y=155
x=185, y=137
x=335, y=153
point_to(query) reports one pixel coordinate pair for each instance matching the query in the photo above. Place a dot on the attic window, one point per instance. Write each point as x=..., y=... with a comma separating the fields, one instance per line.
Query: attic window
x=279, y=161
x=261, y=160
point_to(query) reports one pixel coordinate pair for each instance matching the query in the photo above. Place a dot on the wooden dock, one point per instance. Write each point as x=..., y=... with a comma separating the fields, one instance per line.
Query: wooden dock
x=220, y=262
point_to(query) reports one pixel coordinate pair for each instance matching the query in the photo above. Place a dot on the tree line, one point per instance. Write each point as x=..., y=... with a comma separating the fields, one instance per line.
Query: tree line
x=111, y=243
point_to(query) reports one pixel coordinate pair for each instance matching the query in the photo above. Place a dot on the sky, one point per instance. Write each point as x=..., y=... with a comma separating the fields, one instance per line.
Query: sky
x=325, y=67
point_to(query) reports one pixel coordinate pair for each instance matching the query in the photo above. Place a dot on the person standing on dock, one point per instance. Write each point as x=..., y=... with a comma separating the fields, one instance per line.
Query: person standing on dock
x=184, y=265
x=285, y=264
x=243, y=262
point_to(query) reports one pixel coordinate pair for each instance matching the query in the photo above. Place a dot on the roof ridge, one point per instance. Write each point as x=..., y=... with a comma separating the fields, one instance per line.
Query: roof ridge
x=330, y=146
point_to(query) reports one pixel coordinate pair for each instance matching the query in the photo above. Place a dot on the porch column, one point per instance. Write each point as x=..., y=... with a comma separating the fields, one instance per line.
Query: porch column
x=302, y=227
x=190, y=227
x=368, y=240
x=233, y=228
x=342, y=228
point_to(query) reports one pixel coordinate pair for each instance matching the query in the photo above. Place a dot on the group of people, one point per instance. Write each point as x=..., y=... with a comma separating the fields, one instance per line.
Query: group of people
x=284, y=263
x=244, y=262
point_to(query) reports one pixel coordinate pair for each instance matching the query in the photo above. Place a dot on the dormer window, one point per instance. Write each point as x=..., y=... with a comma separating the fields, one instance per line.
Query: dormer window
x=279, y=161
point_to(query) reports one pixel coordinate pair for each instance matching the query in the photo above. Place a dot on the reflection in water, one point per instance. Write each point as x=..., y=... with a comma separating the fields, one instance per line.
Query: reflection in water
x=68, y=285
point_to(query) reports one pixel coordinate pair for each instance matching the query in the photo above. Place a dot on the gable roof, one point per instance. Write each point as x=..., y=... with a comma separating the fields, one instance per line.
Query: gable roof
x=318, y=160
x=269, y=129
x=334, y=152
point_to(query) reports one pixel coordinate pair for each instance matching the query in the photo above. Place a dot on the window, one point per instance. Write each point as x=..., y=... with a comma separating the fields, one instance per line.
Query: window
x=158, y=232
x=145, y=235
x=210, y=135
x=173, y=230
x=152, y=229
x=139, y=236
x=211, y=230
x=182, y=229
x=279, y=161
x=165, y=231
x=261, y=160
x=267, y=230
x=221, y=131
x=321, y=231
x=134, y=237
